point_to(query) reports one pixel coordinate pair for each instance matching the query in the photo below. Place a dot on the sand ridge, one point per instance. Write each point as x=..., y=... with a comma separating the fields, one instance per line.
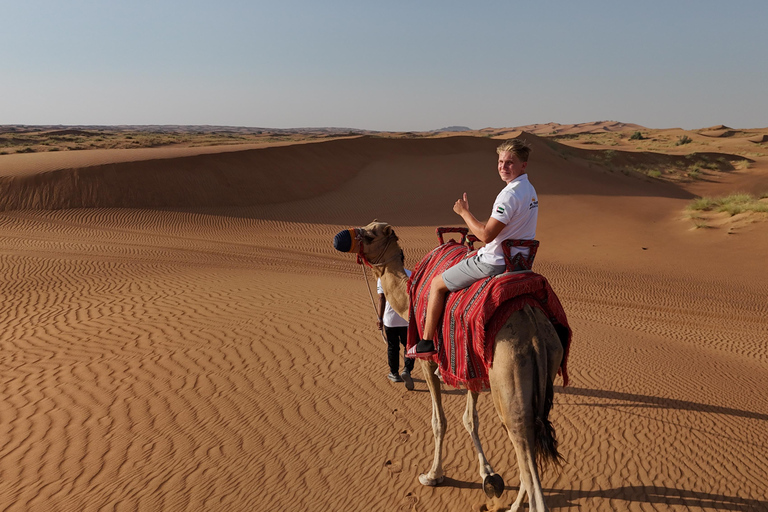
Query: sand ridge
x=224, y=357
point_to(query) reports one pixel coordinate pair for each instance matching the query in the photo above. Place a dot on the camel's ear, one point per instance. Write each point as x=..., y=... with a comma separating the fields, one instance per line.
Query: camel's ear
x=374, y=220
x=388, y=230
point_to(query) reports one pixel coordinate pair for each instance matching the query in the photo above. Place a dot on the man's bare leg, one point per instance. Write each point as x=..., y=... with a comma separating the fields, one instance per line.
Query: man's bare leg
x=435, y=305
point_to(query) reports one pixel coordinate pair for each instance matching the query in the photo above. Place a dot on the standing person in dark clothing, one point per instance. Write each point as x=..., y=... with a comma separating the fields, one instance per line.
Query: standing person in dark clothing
x=396, y=332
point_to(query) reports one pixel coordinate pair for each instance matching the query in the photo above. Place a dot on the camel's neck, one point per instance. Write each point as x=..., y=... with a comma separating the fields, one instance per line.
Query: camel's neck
x=394, y=282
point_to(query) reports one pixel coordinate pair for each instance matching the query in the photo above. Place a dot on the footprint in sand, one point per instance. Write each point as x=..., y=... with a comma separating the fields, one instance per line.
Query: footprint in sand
x=402, y=421
x=393, y=467
x=399, y=414
x=405, y=436
x=408, y=503
x=495, y=505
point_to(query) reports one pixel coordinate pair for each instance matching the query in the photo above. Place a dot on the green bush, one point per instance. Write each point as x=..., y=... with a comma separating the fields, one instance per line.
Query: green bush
x=732, y=204
x=636, y=136
x=683, y=139
x=742, y=164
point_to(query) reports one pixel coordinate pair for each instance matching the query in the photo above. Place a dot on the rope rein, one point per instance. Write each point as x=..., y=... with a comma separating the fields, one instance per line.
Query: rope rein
x=373, y=302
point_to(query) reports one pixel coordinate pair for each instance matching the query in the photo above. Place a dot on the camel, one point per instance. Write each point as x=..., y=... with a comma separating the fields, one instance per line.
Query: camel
x=527, y=356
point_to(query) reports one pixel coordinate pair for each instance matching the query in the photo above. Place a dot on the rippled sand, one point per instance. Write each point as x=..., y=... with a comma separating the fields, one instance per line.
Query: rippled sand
x=225, y=357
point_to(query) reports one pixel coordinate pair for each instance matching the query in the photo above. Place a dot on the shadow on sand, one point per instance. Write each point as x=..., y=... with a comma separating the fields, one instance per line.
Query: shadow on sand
x=651, y=494
x=654, y=494
x=657, y=402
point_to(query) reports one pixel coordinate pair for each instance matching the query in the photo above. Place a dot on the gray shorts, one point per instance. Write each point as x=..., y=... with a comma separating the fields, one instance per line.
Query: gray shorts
x=468, y=271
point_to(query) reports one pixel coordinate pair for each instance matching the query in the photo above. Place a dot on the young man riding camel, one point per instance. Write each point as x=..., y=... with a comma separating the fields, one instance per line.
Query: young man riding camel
x=514, y=216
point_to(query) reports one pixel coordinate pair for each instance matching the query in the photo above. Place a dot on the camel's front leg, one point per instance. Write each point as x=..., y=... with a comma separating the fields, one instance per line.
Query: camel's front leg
x=435, y=475
x=493, y=484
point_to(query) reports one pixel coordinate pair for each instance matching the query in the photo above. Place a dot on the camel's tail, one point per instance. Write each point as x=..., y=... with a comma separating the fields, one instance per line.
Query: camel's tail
x=543, y=397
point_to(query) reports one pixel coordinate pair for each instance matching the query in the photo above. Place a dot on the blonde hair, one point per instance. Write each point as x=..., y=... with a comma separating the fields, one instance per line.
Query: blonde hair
x=517, y=147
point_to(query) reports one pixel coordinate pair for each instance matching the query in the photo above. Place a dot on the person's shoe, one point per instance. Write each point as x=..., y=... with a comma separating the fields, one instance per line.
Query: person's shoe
x=406, y=376
x=425, y=348
x=394, y=377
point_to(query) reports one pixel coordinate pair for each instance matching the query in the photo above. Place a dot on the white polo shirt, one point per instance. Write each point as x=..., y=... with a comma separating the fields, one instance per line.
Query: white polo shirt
x=517, y=206
x=390, y=318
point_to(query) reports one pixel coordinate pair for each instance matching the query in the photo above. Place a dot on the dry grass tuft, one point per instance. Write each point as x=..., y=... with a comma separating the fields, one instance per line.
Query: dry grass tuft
x=732, y=204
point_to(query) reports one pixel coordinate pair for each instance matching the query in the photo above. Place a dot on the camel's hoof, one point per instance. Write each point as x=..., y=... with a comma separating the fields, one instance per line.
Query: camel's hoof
x=431, y=482
x=493, y=485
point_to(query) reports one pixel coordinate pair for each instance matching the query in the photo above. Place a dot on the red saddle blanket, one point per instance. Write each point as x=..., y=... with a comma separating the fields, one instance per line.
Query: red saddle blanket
x=473, y=316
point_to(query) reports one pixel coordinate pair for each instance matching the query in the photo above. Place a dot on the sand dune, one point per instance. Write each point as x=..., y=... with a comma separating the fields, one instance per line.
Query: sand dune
x=279, y=175
x=180, y=334
x=569, y=129
x=718, y=133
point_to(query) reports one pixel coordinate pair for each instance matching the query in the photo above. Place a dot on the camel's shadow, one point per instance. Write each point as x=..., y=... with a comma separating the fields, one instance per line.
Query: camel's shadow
x=639, y=400
x=657, y=402
x=654, y=494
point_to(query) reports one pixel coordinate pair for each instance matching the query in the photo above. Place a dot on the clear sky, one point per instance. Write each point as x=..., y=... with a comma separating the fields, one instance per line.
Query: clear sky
x=386, y=65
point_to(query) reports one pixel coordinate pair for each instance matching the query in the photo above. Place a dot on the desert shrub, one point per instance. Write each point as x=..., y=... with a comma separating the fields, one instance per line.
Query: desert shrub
x=700, y=165
x=655, y=173
x=742, y=164
x=713, y=166
x=610, y=154
x=699, y=224
x=702, y=203
x=683, y=139
x=732, y=204
x=636, y=136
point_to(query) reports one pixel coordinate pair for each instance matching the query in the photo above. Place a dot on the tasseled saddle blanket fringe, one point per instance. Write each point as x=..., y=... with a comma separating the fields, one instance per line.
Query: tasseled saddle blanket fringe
x=474, y=316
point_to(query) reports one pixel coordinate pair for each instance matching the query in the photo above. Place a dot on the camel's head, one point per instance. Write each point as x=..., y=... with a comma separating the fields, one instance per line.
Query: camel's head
x=375, y=244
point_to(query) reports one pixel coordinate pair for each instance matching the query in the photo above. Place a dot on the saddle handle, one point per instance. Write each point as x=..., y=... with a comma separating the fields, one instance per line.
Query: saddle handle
x=471, y=239
x=519, y=262
x=463, y=231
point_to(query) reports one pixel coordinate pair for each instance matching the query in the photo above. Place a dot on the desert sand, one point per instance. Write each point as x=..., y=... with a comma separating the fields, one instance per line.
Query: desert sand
x=179, y=333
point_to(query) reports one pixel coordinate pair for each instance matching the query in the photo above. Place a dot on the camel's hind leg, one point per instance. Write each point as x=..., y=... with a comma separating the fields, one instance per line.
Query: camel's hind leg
x=493, y=484
x=435, y=475
x=513, y=384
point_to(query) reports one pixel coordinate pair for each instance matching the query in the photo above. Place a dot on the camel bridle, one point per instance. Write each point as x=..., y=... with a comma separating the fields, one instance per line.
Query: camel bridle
x=374, y=262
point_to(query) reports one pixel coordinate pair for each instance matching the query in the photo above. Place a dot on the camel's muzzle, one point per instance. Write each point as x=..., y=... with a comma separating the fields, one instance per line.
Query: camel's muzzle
x=345, y=241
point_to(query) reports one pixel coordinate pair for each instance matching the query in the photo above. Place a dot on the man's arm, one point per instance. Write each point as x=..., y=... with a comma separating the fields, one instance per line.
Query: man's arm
x=485, y=231
x=382, y=304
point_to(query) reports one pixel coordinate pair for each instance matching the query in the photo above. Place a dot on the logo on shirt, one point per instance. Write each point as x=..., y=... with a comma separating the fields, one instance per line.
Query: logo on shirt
x=534, y=203
x=500, y=210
